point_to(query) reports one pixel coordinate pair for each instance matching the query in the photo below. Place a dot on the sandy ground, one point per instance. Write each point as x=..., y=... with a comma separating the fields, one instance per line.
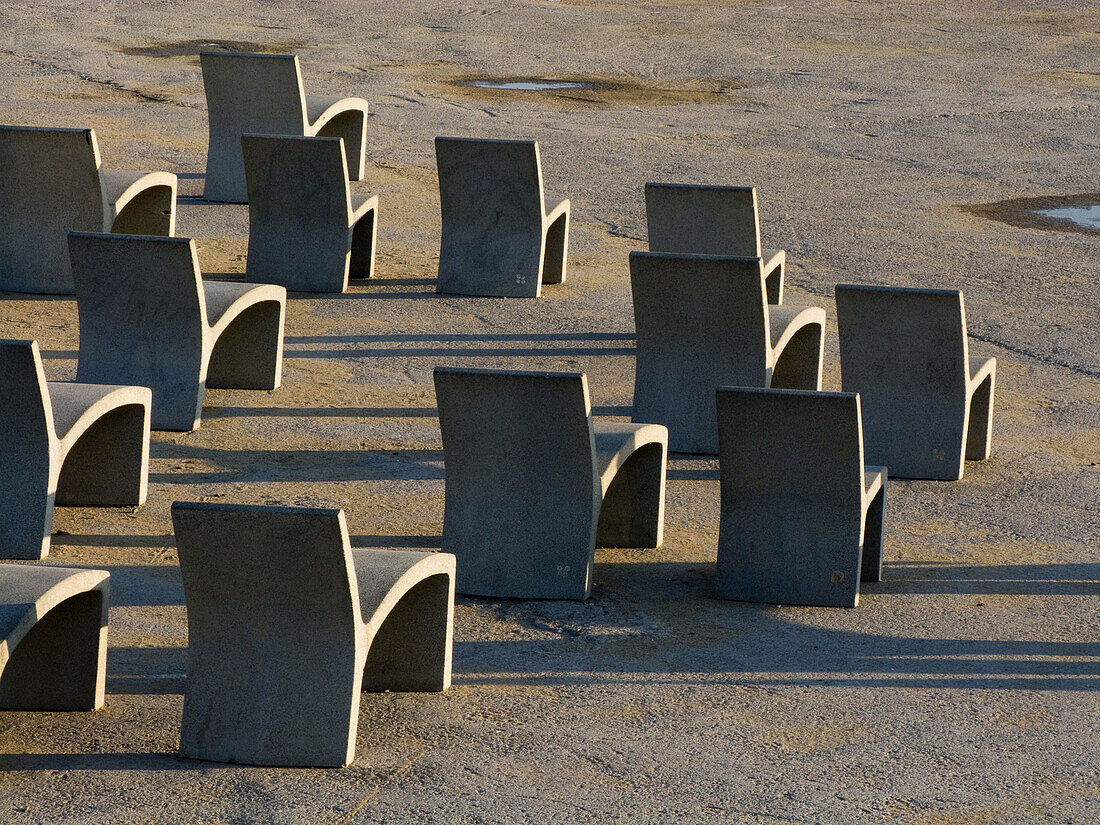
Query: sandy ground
x=963, y=689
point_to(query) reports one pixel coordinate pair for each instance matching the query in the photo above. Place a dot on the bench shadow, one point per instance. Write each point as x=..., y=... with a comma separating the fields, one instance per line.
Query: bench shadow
x=992, y=580
x=412, y=542
x=296, y=465
x=164, y=761
x=659, y=621
x=448, y=337
x=63, y=538
x=689, y=467
x=146, y=671
x=59, y=354
x=383, y=281
x=319, y=412
x=444, y=352
x=358, y=412
x=401, y=344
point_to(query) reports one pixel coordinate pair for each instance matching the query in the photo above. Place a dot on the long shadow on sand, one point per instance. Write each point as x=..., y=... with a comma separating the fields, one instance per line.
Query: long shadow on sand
x=446, y=341
x=267, y=466
x=658, y=620
x=654, y=622
x=167, y=761
x=359, y=412
x=209, y=413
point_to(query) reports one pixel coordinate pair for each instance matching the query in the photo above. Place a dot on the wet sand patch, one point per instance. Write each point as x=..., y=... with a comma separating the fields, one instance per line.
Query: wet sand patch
x=1045, y=212
x=191, y=48
x=600, y=90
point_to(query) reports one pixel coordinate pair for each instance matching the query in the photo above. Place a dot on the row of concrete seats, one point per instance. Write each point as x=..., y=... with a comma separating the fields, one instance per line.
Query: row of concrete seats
x=702, y=322
x=147, y=317
x=287, y=625
x=534, y=485
x=497, y=236
x=307, y=231
x=527, y=500
x=52, y=182
x=153, y=336
x=683, y=305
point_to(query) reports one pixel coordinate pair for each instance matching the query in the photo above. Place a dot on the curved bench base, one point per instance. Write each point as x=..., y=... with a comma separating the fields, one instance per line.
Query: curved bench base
x=53, y=650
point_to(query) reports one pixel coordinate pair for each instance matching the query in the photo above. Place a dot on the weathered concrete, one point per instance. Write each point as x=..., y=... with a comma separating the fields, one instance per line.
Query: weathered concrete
x=964, y=689
x=147, y=316
x=703, y=322
x=63, y=443
x=51, y=182
x=262, y=94
x=53, y=637
x=802, y=515
x=304, y=233
x=284, y=618
x=927, y=404
x=711, y=220
x=497, y=238
x=527, y=472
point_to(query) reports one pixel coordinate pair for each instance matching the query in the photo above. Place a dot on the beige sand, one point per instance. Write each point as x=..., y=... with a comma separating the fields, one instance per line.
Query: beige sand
x=963, y=689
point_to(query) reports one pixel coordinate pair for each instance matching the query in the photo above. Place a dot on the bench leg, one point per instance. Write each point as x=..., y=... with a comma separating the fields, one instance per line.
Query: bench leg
x=352, y=127
x=153, y=212
x=799, y=365
x=249, y=353
x=556, y=251
x=979, y=432
x=61, y=663
x=364, y=238
x=109, y=465
x=633, y=509
x=873, y=534
x=773, y=284
x=412, y=649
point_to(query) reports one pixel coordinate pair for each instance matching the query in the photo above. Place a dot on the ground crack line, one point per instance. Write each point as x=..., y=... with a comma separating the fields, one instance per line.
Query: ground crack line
x=976, y=113
x=370, y=797
x=113, y=84
x=1038, y=356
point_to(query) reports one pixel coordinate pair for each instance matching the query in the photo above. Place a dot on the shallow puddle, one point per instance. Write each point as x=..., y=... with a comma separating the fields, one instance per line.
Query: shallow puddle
x=530, y=85
x=1057, y=213
x=602, y=90
x=1086, y=216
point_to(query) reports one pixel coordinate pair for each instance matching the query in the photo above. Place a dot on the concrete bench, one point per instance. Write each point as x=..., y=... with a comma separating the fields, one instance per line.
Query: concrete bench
x=52, y=181
x=287, y=624
x=53, y=637
x=262, y=94
x=306, y=231
x=533, y=485
x=703, y=322
x=927, y=405
x=497, y=237
x=147, y=317
x=711, y=220
x=64, y=443
x=802, y=515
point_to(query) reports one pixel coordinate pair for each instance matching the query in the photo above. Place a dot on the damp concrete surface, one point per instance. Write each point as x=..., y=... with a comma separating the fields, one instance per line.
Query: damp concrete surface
x=965, y=686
